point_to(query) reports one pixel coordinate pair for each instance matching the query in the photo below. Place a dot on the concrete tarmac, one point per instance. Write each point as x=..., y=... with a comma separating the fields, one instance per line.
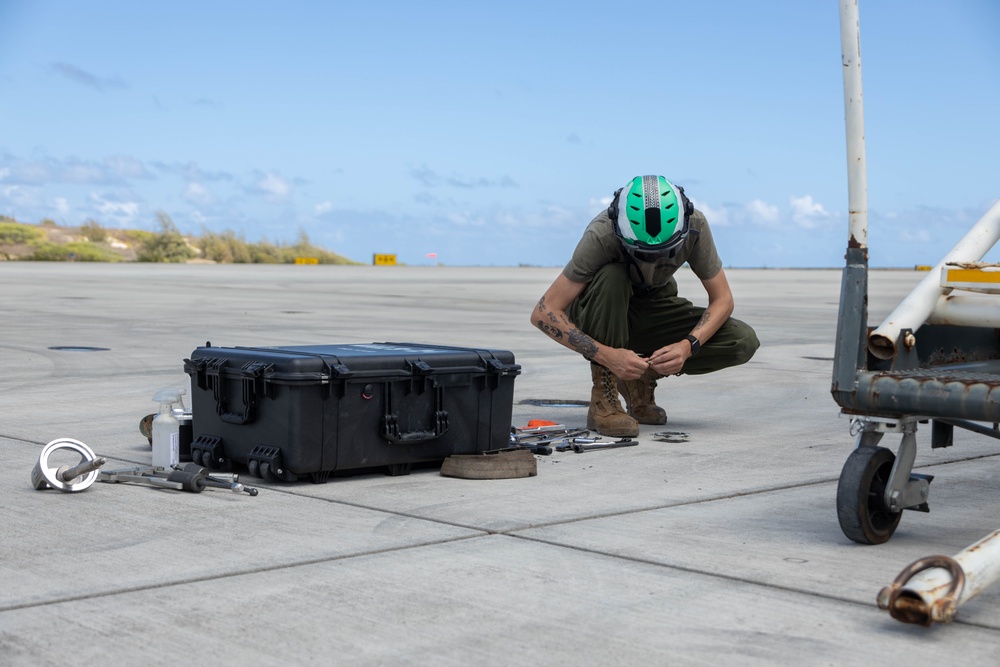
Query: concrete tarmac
x=724, y=549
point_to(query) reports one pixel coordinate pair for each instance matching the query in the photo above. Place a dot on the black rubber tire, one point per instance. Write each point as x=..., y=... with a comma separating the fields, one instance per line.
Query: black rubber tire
x=253, y=466
x=265, y=472
x=861, y=507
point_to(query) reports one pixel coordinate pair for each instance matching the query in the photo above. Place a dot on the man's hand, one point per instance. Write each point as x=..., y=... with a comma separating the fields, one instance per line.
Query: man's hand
x=670, y=360
x=625, y=364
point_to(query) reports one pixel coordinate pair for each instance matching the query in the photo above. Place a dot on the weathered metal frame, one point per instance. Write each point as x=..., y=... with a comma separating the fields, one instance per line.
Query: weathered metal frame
x=952, y=371
x=929, y=297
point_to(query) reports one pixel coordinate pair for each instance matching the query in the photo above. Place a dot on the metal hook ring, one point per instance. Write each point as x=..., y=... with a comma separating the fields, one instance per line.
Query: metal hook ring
x=943, y=609
x=50, y=474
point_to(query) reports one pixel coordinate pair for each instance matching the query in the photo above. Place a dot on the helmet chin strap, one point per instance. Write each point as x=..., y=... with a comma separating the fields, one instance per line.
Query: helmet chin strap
x=643, y=286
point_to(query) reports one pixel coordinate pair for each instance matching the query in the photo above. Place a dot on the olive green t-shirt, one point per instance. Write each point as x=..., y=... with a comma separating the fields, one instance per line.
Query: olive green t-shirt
x=600, y=246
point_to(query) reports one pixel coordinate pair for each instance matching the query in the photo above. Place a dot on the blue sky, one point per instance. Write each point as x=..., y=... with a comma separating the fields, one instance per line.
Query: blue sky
x=491, y=133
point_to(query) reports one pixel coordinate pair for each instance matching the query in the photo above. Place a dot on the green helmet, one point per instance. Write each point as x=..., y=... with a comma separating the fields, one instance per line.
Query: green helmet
x=651, y=216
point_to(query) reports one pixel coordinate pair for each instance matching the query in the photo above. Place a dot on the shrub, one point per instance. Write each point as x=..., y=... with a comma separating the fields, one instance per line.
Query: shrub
x=15, y=233
x=304, y=248
x=93, y=232
x=167, y=246
x=265, y=253
x=78, y=251
x=225, y=247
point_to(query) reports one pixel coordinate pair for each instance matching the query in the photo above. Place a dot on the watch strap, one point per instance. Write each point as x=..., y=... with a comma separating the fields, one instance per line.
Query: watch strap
x=695, y=344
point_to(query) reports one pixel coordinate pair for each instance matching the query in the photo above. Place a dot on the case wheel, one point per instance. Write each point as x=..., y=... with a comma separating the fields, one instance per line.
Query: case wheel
x=861, y=507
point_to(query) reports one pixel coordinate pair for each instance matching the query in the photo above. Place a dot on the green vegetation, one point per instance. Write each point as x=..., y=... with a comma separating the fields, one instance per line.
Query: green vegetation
x=229, y=248
x=91, y=242
x=93, y=232
x=76, y=251
x=14, y=233
x=167, y=246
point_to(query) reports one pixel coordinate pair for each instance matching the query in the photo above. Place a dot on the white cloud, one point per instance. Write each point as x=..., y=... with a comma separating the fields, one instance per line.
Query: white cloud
x=717, y=217
x=198, y=194
x=126, y=166
x=123, y=212
x=323, y=207
x=61, y=205
x=22, y=196
x=119, y=209
x=431, y=179
x=46, y=170
x=807, y=213
x=464, y=219
x=549, y=218
x=273, y=187
x=763, y=213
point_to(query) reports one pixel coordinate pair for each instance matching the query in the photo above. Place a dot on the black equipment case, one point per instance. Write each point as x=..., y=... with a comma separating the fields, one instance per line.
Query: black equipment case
x=313, y=410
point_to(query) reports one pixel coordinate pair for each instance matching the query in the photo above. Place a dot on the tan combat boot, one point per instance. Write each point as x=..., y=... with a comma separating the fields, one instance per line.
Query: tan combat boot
x=605, y=414
x=639, y=399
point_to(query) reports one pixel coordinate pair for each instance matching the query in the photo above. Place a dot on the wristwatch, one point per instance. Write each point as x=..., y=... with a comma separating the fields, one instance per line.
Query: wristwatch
x=695, y=344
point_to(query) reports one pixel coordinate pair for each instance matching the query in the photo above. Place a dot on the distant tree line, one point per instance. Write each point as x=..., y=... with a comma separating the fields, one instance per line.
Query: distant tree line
x=19, y=241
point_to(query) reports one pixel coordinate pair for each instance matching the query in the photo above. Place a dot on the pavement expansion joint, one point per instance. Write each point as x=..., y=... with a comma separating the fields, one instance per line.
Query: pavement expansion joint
x=236, y=573
x=730, y=577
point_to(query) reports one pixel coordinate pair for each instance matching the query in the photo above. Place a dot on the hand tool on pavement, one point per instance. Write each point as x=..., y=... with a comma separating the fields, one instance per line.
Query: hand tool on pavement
x=69, y=479
x=541, y=449
x=567, y=445
x=671, y=436
x=189, y=477
x=580, y=448
x=546, y=435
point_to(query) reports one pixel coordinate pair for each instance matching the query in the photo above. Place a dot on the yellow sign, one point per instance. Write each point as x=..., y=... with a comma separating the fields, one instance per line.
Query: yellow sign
x=307, y=260
x=383, y=260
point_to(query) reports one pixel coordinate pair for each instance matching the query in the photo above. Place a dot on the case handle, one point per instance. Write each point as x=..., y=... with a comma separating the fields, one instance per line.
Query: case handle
x=213, y=371
x=390, y=430
x=390, y=423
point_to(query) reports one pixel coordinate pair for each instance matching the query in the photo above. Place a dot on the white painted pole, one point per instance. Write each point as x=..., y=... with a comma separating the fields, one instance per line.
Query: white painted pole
x=913, y=311
x=854, y=113
x=966, y=311
x=928, y=596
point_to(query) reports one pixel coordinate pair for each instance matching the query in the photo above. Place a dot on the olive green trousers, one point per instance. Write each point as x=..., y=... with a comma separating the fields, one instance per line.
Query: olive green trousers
x=613, y=311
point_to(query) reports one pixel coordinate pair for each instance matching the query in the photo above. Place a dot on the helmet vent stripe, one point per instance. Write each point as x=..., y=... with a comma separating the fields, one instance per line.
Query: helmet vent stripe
x=651, y=195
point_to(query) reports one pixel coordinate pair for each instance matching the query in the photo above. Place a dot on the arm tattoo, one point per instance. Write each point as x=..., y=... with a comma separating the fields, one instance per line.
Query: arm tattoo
x=583, y=343
x=705, y=317
x=550, y=331
x=541, y=305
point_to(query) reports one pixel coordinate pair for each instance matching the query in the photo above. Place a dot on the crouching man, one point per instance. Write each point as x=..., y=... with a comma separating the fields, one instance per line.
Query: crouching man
x=616, y=303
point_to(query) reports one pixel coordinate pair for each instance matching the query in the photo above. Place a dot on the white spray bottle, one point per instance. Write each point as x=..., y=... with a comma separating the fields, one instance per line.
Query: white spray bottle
x=166, y=430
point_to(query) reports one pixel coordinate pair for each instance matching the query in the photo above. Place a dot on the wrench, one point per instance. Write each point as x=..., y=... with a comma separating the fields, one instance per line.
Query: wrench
x=624, y=442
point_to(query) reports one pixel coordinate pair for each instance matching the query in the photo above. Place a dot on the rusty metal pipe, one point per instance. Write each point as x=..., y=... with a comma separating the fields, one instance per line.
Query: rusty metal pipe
x=932, y=589
x=854, y=117
x=966, y=310
x=914, y=310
